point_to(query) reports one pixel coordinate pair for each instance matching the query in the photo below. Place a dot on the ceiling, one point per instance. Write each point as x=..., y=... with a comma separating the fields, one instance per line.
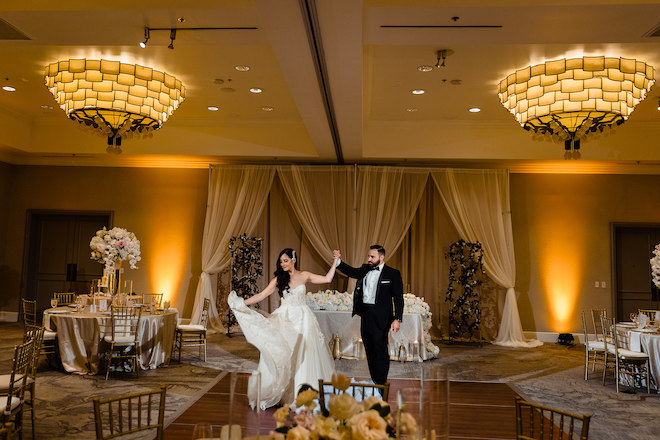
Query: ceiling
x=337, y=74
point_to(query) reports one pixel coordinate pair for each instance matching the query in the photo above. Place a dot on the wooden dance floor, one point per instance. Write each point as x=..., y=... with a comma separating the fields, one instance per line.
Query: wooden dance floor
x=477, y=410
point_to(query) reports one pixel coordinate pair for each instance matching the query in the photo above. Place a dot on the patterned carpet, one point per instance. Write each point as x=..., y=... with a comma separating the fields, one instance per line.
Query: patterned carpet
x=550, y=374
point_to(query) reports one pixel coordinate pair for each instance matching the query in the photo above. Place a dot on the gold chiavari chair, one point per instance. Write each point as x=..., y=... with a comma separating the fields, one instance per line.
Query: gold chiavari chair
x=651, y=314
x=359, y=391
x=11, y=404
x=594, y=351
x=194, y=335
x=123, y=341
x=49, y=344
x=65, y=298
x=152, y=298
x=539, y=422
x=7, y=431
x=622, y=360
x=124, y=415
x=596, y=320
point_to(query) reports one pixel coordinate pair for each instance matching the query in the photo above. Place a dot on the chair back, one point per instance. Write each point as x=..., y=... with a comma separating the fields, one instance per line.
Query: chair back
x=607, y=324
x=124, y=415
x=359, y=391
x=125, y=321
x=7, y=431
x=152, y=298
x=651, y=314
x=204, y=318
x=584, y=329
x=65, y=298
x=596, y=315
x=23, y=358
x=535, y=421
x=29, y=312
x=36, y=335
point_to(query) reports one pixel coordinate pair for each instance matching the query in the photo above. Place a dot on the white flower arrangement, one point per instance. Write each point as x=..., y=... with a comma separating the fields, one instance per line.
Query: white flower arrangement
x=117, y=244
x=655, y=266
x=333, y=300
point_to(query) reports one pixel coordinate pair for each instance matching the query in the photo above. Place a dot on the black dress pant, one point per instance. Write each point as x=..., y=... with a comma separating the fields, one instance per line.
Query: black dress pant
x=375, y=327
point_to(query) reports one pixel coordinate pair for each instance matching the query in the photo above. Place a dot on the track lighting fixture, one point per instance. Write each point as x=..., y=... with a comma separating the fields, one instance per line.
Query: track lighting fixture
x=172, y=38
x=143, y=44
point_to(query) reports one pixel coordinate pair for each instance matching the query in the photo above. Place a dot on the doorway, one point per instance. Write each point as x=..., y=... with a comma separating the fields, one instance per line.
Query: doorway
x=633, y=248
x=58, y=253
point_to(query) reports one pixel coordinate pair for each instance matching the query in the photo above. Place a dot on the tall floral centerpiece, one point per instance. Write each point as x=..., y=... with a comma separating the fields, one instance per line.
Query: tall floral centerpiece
x=112, y=247
x=655, y=266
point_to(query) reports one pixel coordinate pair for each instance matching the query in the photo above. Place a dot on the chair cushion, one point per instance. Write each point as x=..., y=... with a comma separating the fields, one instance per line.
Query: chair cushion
x=190, y=327
x=629, y=354
x=122, y=340
x=596, y=345
x=4, y=383
x=15, y=402
x=48, y=335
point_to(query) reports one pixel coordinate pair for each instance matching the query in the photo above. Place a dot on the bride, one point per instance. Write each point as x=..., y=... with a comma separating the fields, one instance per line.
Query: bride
x=293, y=349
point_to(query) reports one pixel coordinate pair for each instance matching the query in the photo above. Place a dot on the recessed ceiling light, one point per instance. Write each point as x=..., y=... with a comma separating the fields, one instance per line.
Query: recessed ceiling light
x=9, y=89
x=242, y=68
x=474, y=110
x=213, y=108
x=256, y=90
x=412, y=109
x=425, y=68
x=267, y=108
x=47, y=107
x=418, y=91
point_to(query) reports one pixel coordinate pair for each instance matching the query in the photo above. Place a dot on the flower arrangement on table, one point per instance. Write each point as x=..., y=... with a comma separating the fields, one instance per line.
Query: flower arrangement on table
x=115, y=245
x=334, y=300
x=344, y=419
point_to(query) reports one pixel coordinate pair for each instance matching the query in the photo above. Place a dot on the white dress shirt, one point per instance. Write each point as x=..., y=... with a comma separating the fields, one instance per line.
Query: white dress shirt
x=370, y=285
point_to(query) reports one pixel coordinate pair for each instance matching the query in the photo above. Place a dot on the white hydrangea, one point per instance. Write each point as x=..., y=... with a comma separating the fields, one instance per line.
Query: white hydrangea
x=117, y=244
x=655, y=266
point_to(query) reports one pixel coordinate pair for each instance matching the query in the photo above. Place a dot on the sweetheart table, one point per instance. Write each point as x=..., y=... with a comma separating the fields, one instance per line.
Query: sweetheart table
x=80, y=337
x=347, y=327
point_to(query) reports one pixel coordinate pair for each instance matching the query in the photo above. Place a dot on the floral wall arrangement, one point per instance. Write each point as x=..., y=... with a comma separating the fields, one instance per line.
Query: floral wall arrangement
x=465, y=276
x=246, y=268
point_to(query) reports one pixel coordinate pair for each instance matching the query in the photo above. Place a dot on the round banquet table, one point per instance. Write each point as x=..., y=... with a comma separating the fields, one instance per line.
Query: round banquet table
x=80, y=337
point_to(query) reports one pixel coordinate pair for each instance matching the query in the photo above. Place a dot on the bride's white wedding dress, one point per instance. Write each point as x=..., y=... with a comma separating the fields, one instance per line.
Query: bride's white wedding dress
x=292, y=346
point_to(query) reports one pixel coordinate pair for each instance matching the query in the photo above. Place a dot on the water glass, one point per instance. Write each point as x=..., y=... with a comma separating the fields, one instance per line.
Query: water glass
x=202, y=430
x=435, y=385
x=53, y=302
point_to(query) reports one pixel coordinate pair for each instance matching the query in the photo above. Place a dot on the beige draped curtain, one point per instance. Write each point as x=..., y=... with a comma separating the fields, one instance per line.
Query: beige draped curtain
x=478, y=204
x=388, y=198
x=237, y=195
x=323, y=199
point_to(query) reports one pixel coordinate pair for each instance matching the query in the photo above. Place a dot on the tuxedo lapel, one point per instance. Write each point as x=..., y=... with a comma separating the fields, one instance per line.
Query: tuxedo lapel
x=380, y=277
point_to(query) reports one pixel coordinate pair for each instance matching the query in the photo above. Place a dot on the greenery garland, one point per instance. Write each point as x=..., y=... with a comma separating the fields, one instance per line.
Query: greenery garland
x=465, y=272
x=246, y=269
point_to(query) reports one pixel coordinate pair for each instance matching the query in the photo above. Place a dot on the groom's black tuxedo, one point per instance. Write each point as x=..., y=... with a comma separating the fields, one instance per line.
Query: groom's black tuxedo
x=376, y=318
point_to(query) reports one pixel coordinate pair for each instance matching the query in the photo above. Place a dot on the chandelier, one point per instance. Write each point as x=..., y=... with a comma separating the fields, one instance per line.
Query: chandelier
x=114, y=99
x=571, y=100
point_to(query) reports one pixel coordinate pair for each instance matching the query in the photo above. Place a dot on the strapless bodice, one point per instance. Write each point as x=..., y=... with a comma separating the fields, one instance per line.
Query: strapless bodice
x=295, y=296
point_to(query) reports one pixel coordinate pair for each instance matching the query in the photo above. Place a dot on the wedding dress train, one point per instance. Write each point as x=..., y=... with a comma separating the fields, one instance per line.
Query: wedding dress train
x=293, y=349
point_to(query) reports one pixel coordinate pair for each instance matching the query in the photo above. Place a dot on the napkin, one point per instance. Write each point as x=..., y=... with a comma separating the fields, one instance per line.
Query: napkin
x=643, y=320
x=166, y=305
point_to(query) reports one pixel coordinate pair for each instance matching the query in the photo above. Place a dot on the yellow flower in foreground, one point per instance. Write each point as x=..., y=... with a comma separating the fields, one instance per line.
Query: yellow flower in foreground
x=371, y=401
x=281, y=415
x=408, y=424
x=297, y=433
x=326, y=427
x=306, y=397
x=342, y=406
x=368, y=425
x=340, y=381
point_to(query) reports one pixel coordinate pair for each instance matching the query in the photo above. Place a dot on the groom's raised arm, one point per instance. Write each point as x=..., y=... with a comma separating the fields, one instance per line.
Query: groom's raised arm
x=349, y=270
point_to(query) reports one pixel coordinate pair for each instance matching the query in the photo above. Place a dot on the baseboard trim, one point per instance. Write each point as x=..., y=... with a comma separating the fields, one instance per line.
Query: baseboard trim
x=552, y=336
x=8, y=316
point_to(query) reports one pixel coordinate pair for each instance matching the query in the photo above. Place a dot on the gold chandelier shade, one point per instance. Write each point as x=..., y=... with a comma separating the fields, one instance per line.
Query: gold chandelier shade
x=567, y=99
x=116, y=98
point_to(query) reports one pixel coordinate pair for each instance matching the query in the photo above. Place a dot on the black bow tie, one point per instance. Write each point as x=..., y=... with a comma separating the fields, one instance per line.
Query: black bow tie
x=375, y=268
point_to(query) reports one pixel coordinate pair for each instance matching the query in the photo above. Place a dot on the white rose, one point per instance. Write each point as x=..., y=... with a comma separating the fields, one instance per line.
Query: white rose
x=342, y=406
x=298, y=433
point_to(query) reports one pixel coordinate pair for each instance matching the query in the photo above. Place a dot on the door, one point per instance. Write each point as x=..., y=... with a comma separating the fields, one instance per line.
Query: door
x=634, y=286
x=59, y=255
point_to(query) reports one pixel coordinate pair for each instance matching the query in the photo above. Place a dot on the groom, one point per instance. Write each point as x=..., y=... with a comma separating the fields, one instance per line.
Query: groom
x=378, y=300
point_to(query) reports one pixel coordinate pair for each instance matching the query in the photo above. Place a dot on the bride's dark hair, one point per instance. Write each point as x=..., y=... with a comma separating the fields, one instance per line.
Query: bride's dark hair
x=282, y=275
